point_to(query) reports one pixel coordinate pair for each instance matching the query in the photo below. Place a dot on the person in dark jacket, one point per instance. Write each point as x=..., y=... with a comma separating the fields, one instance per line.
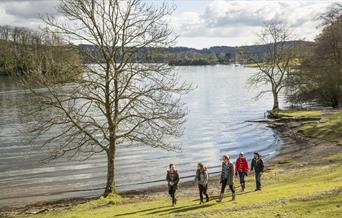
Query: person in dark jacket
x=227, y=177
x=258, y=166
x=172, y=178
x=241, y=168
x=201, y=179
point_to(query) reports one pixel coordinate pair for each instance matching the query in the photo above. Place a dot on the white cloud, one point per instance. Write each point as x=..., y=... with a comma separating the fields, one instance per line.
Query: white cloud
x=31, y=10
x=200, y=23
x=26, y=13
x=241, y=20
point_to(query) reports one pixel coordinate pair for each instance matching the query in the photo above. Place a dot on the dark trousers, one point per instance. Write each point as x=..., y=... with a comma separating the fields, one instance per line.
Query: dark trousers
x=224, y=184
x=172, y=193
x=242, y=177
x=203, y=190
x=258, y=180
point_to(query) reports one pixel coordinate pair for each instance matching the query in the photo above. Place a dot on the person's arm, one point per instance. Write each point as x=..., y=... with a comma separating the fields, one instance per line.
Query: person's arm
x=246, y=167
x=196, y=178
x=206, y=177
x=236, y=167
x=231, y=170
x=167, y=176
x=252, y=165
x=221, y=179
x=177, y=178
x=262, y=165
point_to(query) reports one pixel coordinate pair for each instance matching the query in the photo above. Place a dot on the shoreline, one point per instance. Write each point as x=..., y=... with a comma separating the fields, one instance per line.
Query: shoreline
x=295, y=146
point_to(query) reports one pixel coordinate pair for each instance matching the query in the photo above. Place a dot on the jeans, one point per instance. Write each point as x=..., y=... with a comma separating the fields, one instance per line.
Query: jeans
x=258, y=180
x=242, y=177
x=172, y=193
x=223, y=186
x=203, y=189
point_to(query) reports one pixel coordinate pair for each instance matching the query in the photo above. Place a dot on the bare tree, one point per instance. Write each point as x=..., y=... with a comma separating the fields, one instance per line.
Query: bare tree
x=114, y=101
x=274, y=62
x=333, y=15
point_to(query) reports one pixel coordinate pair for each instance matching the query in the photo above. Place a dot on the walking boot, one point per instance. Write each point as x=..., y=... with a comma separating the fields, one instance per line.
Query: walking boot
x=220, y=198
x=233, y=196
x=243, y=187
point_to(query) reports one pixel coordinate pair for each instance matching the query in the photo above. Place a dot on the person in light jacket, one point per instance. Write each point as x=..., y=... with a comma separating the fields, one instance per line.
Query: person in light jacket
x=172, y=178
x=227, y=177
x=201, y=179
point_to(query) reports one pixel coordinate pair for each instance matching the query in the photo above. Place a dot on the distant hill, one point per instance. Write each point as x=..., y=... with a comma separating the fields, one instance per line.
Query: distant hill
x=189, y=56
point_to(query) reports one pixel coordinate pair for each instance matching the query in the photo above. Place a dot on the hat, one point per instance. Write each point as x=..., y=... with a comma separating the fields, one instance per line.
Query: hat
x=241, y=153
x=257, y=153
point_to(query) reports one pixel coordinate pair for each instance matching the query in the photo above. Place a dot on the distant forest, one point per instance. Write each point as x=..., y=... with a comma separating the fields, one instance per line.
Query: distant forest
x=182, y=56
x=23, y=50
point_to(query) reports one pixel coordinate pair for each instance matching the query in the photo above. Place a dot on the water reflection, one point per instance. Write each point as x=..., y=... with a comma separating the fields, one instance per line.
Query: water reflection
x=216, y=125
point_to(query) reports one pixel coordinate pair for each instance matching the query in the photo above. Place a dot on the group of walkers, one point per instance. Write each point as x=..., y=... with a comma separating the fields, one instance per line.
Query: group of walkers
x=227, y=177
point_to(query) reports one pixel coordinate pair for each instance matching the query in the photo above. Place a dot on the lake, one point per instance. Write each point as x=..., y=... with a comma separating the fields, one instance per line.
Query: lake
x=219, y=109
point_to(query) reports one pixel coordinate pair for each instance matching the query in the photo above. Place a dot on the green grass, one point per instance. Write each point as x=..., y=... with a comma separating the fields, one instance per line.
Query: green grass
x=251, y=65
x=299, y=113
x=328, y=207
x=293, y=63
x=310, y=192
x=333, y=157
x=330, y=129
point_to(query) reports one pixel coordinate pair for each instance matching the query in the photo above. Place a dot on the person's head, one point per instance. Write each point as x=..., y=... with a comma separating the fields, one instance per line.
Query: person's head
x=226, y=158
x=172, y=167
x=200, y=166
x=256, y=155
x=242, y=155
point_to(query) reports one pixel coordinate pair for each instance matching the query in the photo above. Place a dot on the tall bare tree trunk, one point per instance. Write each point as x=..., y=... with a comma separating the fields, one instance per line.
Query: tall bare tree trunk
x=110, y=186
x=275, y=101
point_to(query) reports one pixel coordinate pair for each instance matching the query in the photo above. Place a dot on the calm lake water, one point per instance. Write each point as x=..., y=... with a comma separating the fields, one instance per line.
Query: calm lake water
x=219, y=109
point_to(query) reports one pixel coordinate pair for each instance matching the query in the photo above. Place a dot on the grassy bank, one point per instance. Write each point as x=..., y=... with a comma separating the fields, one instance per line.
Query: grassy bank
x=293, y=63
x=329, y=128
x=293, y=186
x=308, y=191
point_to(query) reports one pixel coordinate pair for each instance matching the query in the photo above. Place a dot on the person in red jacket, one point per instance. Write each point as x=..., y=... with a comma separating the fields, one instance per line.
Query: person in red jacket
x=241, y=168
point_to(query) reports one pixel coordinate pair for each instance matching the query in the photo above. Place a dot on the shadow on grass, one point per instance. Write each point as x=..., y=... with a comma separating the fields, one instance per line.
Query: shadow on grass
x=162, y=210
x=139, y=211
x=228, y=195
x=168, y=209
x=181, y=209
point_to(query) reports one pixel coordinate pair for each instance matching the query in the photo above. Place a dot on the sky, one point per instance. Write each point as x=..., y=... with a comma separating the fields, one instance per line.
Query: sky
x=202, y=23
